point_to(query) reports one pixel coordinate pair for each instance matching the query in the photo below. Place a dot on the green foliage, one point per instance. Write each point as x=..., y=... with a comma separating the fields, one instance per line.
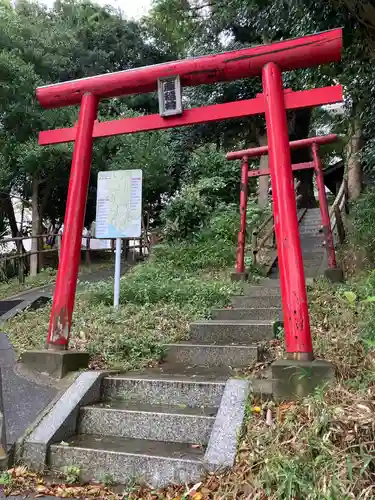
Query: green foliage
x=73, y=39
x=5, y=479
x=363, y=212
x=350, y=296
x=71, y=474
x=173, y=25
x=185, y=213
x=214, y=246
x=107, y=479
x=153, y=283
x=127, y=352
x=156, y=153
x=206, y=199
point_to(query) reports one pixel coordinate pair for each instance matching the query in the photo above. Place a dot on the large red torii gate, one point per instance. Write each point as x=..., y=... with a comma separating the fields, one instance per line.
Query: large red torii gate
x=267, y=61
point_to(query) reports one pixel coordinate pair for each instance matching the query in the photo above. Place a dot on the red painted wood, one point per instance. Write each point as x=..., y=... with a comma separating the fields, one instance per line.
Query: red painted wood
x=324, y=210
x=296, y=166
x=217, y=112
x=292, y=276
x=301, y=143
x=304, y=52
x=240, y=258
x=70, y=256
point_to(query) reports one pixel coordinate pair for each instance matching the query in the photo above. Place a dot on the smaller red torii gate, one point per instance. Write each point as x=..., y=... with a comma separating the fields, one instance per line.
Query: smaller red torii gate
x=316, y=164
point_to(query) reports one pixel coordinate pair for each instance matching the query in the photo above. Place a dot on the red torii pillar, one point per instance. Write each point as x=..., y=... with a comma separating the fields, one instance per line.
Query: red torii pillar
x=316, y=164
x=268, y=61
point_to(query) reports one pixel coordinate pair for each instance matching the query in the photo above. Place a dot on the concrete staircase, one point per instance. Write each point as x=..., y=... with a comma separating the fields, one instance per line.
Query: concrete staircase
x=162, y=425
x=312, y=244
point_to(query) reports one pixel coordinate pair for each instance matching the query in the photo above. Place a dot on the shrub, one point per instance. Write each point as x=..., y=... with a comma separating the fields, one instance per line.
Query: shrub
x=210, y=183
x=153, y=283
x=185, y=213
x=363, y=222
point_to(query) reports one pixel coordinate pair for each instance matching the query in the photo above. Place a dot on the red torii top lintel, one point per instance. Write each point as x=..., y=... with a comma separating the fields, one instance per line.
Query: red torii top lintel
x=301, y=143
x=304, y=52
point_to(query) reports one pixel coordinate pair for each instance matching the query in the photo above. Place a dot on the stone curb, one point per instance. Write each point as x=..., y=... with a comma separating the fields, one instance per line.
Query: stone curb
x=35, y=302
x=222, y=447
x=32, y=290
x=60, y=422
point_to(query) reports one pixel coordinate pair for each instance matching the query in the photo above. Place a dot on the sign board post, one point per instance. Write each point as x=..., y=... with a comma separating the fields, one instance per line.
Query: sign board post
x=119, y=212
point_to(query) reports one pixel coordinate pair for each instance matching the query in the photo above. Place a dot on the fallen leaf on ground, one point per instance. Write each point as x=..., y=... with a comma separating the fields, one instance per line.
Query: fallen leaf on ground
x=197, y=496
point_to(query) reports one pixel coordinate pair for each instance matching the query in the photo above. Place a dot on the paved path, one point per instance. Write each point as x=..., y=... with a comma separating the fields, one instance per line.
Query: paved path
x=26, y=394
x=23, y=398
x=84, y=277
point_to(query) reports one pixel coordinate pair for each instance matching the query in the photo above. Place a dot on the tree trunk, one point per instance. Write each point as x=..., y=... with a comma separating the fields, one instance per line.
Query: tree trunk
x=353, y=159
x=8, y=209
x=263, y=180
x=42, y=208
x=306, y=189
x=35, y=228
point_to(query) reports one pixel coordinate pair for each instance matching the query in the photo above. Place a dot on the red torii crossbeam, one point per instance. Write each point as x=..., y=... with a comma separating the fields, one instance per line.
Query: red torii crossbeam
x=268, y=61
x=316, y=164
x=306, y=165
x=194, y=116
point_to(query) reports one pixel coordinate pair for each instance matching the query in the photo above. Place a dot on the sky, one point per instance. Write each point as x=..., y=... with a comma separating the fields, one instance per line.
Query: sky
x=131, y=8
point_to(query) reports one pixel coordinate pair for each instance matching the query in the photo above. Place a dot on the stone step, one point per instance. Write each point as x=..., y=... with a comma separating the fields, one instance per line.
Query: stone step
x=309, y=216
x=312, y=240
x=313, y=256
x=202, y=354
x=245, y=301
x=312, y=212
x=314, y=230
x=178, y=424
x=231, y=331
x=310, y=264
x=255, y=313
x=194, y=388
x=316, y=250
x=268, y=282
x=153, y=462
x=312, y=272
x=310, y=220
x=309, y=244
x=320, y=234
x=309, y=241
x=261, y=291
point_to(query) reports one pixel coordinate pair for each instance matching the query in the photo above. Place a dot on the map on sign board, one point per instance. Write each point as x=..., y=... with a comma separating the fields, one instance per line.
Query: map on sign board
x=119, y=204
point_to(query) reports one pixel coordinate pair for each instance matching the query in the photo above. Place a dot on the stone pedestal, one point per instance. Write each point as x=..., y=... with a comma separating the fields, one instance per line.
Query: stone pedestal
x=292, y=380
x=56, y=363
x=334, y=274
x=239, y=276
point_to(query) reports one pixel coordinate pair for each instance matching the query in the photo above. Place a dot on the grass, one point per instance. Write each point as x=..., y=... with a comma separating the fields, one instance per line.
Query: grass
x=322, y=447
x=157, y=303
x=45, y=277
x=13, y=286
x=180, y=282
x=318, y=448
